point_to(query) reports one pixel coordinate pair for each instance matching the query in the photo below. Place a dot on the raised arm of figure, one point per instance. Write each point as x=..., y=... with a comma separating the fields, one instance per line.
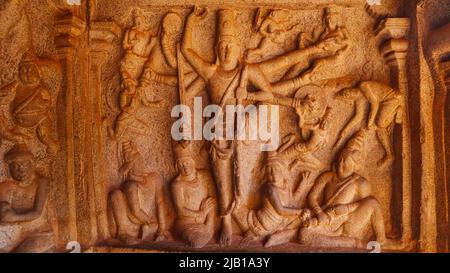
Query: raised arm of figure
x=202, y=67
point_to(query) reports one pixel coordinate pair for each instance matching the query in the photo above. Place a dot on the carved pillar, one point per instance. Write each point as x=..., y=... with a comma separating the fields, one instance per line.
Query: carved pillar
x=445, y=71
x=101, y=36
x=445, y=67
x=69, y=29
x=393, y=35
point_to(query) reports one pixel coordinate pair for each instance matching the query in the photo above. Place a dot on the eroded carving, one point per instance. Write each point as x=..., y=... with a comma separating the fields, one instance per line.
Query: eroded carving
x=25, y=217
x=385, y=110
x=31, y=107
x=343, y=211
x=310, y=193
x=194, y=195
x=137, y=208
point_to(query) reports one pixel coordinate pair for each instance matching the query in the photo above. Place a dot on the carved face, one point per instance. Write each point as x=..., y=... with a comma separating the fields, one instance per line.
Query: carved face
x=186, y=166
x=275, y=174
x=171, y=24
x=29, y=73
x=346, y=166
x=139, y=21
x=228, y=52
x=21, y=169
x=332, y=21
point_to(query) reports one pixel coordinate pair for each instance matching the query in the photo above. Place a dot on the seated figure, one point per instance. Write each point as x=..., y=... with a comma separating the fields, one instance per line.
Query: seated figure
x=277, y=219
x=25, y=224
x=137, y=211
x=31, y=108
x=344, y=212
x=194, y=196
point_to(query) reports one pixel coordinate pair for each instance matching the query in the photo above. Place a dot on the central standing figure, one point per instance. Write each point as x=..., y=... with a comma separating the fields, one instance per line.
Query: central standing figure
x=223, y=80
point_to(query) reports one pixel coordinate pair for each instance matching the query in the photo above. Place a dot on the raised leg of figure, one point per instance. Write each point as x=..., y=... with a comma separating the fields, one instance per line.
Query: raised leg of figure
x=312, y=238
x=281, y=237
x=44, y=133
x=367, y=215
x=385, y=140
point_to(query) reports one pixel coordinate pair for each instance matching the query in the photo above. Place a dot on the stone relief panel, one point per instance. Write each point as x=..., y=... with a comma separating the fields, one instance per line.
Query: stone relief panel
x=320, y=74
x=88, y=147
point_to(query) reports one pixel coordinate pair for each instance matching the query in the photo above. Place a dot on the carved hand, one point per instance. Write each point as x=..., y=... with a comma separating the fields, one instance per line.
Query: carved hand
x=129, y=84
x=306, y=176
x=197, y=15
x=330, y=45
x=207, y=205
x=241, y=93
x=324, y=219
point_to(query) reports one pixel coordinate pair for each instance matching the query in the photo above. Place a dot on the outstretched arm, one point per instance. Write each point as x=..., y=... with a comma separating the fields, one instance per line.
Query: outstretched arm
x=202, y=67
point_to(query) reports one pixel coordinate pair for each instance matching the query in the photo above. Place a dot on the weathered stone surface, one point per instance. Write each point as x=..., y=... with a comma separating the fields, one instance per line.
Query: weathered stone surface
x=88, y=153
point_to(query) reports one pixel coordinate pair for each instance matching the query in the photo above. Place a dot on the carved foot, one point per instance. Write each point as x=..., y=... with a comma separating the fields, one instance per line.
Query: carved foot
x=226, y=235
x=128, y=239
x=247, y=239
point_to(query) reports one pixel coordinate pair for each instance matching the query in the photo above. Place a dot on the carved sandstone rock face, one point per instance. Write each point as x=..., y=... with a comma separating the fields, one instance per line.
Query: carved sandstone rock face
x=290, y=125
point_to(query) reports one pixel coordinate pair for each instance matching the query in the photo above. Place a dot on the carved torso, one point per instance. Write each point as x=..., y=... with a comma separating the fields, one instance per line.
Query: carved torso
x=194, y=193
x=20, y=198
x=31, y=105
x=222, y=82
x=344, y=191
x=139, y=42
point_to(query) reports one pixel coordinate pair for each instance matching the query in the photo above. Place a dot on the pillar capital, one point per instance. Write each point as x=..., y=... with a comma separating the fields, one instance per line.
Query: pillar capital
x=101, y=36
x=69, y=29
x=392, y=28
x=392, y=34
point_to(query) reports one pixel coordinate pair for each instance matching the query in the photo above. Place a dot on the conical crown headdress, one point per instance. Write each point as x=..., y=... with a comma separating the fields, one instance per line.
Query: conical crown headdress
x=226, y=24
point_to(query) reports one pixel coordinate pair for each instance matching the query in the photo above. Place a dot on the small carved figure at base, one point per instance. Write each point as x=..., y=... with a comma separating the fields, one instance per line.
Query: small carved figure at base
x=24, y=210
x=343, y=211
x=276, y=220
x=137, y=211
x=194, y=196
